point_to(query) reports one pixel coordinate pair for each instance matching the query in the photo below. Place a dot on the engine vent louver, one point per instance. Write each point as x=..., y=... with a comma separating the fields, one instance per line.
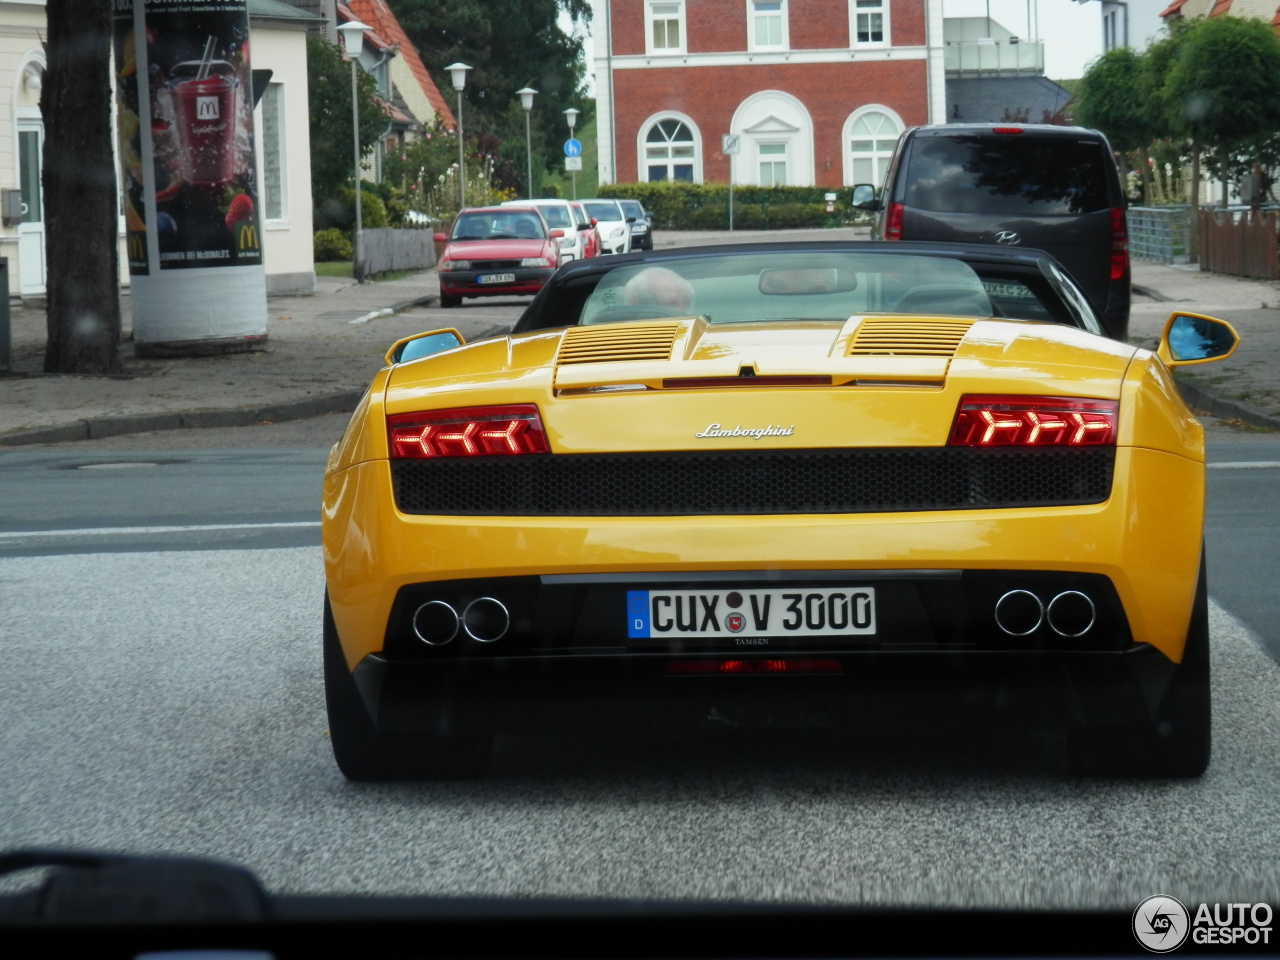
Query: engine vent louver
x=609, y=344
x=908, y=338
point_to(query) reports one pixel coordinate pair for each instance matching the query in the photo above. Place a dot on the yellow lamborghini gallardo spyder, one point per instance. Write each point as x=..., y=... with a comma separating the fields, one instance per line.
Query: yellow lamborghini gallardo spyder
x=841, y=485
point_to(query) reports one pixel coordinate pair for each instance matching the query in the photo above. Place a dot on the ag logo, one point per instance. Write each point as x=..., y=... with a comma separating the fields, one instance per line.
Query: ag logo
x=1161, y=924
x=735, y=623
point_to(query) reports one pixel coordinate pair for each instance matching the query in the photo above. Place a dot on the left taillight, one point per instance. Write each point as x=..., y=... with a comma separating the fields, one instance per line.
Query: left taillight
x=893, y=222
x=467, y=432
x=1119, y=244
x=1004, y=421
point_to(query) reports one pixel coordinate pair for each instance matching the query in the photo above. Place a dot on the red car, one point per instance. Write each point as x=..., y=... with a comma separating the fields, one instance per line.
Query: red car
x=496, y=252
x=590, y=235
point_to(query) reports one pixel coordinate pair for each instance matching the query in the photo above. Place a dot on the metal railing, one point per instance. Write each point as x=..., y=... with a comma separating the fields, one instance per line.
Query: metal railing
x=974, y=58
x=1160, y=233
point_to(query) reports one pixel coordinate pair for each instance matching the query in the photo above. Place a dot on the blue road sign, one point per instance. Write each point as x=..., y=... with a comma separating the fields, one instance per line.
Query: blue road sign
x=572, y=148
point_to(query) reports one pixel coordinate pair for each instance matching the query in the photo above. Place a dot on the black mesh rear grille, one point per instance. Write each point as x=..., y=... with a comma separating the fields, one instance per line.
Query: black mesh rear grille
x=751, y=482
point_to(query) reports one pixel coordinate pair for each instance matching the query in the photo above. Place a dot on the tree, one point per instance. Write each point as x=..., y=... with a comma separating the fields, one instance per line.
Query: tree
x=329, y=105
x=1222, y=85
x=511, y=44
x=80, y=215
x=1111, y=98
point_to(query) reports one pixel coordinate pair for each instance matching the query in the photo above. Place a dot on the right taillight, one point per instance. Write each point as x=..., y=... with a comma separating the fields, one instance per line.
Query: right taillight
x=893, y=222
x=1004, y=421
x=1119, y=244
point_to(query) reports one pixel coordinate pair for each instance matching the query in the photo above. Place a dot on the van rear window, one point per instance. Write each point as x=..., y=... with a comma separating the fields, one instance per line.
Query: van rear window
x=1004, y=175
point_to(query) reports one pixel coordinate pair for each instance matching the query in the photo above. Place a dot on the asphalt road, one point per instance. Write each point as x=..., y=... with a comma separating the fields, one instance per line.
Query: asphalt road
x=162, y=694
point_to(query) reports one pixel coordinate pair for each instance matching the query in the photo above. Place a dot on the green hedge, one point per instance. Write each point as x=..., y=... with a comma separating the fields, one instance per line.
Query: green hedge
x=705, y=206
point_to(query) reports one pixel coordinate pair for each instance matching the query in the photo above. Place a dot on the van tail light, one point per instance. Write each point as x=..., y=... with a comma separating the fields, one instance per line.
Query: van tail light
x=466, y=432
x=1006, y=129
x=1119, y=244
x=999, y=421
x=893, y=222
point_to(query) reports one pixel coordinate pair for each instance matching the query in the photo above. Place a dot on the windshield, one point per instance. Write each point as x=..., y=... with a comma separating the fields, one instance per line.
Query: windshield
x=632, y=208
x=498, y=225
x=604, y=210
x=555, y=215
x=780, y=286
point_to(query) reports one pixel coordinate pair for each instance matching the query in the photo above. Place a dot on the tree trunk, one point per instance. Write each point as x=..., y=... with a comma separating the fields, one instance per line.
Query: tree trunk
x=80, y=191
x=1193, y=227
x=1224, y=157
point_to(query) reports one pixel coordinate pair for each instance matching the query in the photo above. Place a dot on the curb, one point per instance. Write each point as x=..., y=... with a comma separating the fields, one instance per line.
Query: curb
x=98, y=427
x=1198, y=397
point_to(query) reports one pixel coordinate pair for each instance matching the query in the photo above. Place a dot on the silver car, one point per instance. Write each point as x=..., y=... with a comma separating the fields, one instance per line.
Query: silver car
x=558, y=217
x=615, y=232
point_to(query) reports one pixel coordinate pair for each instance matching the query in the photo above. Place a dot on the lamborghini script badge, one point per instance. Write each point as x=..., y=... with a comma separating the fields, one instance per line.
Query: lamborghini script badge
x=715, y=430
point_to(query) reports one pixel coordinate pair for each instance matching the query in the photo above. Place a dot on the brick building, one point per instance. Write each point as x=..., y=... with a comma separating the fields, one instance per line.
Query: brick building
x=817, y=90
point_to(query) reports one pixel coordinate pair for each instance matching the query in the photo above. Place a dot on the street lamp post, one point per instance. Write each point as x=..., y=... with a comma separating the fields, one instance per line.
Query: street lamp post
x=572, y=116
x=526, y=101
x=353, y=32
x=458, y=74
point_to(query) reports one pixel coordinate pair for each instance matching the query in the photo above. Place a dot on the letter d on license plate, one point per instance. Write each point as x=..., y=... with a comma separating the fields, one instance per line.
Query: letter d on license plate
x=799, y=612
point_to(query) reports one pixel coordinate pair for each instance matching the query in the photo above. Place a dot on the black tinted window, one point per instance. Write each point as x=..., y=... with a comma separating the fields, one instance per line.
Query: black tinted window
x=1007, y=174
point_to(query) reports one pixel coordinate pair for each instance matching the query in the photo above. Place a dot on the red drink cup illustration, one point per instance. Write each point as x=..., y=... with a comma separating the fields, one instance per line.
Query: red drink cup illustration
x=205, y=116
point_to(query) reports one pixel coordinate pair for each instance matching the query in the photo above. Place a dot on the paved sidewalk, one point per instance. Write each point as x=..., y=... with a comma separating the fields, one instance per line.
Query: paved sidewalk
x=324, y=348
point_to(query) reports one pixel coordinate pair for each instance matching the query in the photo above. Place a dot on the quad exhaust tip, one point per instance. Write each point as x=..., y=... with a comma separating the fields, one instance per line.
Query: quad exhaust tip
x=1019, y=613
x=486, y=620
x=1070, y=614
x=436, y=623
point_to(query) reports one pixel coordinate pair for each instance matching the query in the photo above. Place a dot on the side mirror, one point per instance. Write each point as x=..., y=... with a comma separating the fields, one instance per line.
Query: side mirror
x=557, y=234
x=439, y=238
x=864, y=197
x=584, y=226
x=423, y=345
x=593, y=221
x=1194, y=338
x=631, y=219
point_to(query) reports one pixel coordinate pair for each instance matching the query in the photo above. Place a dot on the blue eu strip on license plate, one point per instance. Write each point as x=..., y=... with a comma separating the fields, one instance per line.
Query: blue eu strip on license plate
x=798, y=611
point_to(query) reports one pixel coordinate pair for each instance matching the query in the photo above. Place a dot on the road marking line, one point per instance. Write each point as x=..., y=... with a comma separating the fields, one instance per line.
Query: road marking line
x=1244, y=465
x=126, y=531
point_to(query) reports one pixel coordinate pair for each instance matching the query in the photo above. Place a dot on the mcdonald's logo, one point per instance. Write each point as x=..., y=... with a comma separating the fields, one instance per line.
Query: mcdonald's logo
x=137, y=248
x=248, y=237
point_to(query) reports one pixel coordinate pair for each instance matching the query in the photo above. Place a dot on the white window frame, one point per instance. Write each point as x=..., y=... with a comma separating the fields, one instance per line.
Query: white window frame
x=784, y=42
x=650, y=19
x=277, y=90
x=875, y=155
x=642, y=159
x=886, y=39
x=773, y=159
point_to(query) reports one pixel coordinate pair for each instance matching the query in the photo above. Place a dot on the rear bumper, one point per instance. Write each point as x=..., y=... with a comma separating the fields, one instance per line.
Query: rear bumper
x=462, y=283
x=871, y=691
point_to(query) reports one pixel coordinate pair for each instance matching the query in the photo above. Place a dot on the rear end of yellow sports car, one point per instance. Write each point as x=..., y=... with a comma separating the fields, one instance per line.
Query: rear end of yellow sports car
x=816, y=523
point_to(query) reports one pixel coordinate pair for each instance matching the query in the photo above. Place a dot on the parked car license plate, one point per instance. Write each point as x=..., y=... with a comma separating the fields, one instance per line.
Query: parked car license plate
x=814, y=612
x=496, y=278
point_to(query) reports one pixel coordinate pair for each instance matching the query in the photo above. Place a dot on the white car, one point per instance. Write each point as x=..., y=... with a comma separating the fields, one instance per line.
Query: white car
x=559, y=217
x=615, y=233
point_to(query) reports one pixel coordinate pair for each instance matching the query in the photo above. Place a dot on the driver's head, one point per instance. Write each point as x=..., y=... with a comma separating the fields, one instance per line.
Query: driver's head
x=658, y=285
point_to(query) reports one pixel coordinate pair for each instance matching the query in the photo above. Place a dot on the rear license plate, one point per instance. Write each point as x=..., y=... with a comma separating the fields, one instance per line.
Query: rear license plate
x=812, y=612
x=496, y=278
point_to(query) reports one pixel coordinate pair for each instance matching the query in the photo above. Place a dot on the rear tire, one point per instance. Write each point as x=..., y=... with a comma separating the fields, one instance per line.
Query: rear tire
x=1177, y=741
x=447, y=301
x=363, y=754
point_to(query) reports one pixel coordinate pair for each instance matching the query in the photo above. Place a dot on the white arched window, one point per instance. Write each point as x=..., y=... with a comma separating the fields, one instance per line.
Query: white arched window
x=669, y=151
x=777, y=140
x=871, y=134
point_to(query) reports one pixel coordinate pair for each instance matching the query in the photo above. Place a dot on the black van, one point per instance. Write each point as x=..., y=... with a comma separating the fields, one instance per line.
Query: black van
x=1052, y=188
